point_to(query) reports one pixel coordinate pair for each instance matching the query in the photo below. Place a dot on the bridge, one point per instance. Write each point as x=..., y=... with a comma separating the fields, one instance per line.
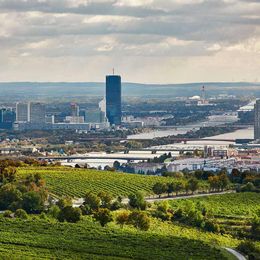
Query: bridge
x=169, y=139
x=107, y=157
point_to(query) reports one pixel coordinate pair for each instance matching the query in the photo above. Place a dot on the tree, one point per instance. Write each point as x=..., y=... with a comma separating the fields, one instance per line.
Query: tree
x=116, y=165
x=64, y=202
x=193, y=184
x=179, y=186
x=54, y=211
x=122, y=218
x=92, y=201
x=105, y=198
x=139, y=220
x=136, y=200
x=159, y=188
x=223, y=181
x=170, y=188
x=8, y=174
x=69, y=214
x=103, y=216
x=32, y=202
x=9, y=195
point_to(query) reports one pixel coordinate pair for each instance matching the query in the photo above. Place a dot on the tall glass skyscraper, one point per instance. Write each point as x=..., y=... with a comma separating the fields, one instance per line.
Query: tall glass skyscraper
x=113, y=99
x=257, y=120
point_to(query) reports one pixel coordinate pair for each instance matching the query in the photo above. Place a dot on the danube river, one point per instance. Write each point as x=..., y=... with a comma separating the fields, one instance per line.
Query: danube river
x=246, y=133
x=215, y=120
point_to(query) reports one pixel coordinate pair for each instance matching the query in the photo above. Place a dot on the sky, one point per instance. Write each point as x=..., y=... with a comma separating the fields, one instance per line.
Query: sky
x=146, y=41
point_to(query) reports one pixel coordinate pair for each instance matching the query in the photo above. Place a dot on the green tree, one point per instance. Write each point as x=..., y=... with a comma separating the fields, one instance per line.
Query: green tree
x=159, y=188
x=64, y=202
x=179, y=186
x=92, y=201
x=69, y=214
x=193, y=184
x=9, y=195
x=139, y=220
x=122, y=218
x=170, y=188
x=106, y=199
x=103, y=216
x=137, y=201
x=32, y=202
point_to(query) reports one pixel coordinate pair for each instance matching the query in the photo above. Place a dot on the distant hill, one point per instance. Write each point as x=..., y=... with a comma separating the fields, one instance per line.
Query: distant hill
x=13, y=91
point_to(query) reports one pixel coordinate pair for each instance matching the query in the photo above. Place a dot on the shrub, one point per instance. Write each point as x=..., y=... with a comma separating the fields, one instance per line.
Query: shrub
x=69, y=214
x=8, y=214
x=21, y=213
x=139, y=220
x=122, y=218
x=103, y=216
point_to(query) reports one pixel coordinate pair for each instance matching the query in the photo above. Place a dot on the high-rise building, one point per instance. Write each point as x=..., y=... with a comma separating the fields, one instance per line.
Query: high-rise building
x=7, y=118
x=74, y=109
x=22, y=112
x=37, y=113
x=113, y=99
x=95, y=116
x=257, y=120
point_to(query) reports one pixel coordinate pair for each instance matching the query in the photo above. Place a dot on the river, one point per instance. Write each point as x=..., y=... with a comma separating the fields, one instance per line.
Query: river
x=215, y=120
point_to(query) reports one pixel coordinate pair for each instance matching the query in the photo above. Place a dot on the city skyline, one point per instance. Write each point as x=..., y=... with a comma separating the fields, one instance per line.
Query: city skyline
x=146, y=41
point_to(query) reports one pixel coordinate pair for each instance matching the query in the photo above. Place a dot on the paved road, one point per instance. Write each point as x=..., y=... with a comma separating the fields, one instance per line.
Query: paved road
x=235, y=253
x=187, y=196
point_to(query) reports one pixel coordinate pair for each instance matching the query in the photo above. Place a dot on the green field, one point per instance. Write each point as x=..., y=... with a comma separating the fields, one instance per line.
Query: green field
x=75, y=182
x=233, y=212
x=36, y=239
x=244, y=205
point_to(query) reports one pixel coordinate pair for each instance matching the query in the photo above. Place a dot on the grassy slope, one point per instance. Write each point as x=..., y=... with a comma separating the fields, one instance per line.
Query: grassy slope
x=40, y=239
x=75, y=182
x=233, y=204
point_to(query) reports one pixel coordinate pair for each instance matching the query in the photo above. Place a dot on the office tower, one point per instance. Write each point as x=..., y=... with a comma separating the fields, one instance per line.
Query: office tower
x=95, y=116
x=22, y=112
x=74, y=110
x=113, y=99
x=257, y=120
x=37, y=113
x=7, y=118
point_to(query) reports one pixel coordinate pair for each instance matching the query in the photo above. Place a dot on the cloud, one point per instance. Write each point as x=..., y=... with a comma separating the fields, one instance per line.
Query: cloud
x=133, y=29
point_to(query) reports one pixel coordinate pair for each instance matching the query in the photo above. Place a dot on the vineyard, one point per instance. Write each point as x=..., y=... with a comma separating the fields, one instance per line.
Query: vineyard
x=37, y=239
x=75, y=182
x=232, y=212
x=229, y=205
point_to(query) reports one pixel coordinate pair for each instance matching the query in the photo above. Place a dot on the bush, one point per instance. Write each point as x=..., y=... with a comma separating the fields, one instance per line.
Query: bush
x=21, y=213
x=248, y=248
x=54, y=211
x=69, y=214
x=8, y=214
x=103, y=216
x=122, y=218
x=139, y=220
x=211, y=226
x=33, y=202
x=136, y=201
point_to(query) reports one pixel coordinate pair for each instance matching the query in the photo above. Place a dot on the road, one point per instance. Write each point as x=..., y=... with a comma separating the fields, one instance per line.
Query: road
x=235, y=253
x=126, y=200
x=188, y=196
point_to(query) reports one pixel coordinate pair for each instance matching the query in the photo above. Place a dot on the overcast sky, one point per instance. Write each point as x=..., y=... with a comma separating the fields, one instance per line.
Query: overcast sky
x=149, y=41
